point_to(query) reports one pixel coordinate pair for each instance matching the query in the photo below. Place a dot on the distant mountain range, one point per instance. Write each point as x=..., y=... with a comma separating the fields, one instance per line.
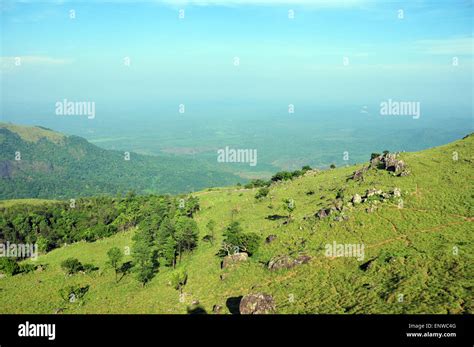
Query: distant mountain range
x=37, y=162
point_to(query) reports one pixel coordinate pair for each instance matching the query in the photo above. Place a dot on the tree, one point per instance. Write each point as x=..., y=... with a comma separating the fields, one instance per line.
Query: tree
x=144, y=255
x=235, y=240
x=169, y=252
x=211, y=225
x=186, y=235
x=115, y=257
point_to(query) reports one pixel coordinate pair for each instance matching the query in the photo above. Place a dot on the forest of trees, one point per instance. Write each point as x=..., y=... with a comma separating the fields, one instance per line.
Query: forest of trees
x=165, y=227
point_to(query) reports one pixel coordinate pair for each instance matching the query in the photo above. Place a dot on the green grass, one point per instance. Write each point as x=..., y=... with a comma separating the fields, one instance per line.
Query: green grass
x=34, y=134
x=411, y=249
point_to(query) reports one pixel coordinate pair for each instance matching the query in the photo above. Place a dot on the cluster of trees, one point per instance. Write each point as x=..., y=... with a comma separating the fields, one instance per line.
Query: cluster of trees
x=163, y=239
x=279, y=176
x=166, y=228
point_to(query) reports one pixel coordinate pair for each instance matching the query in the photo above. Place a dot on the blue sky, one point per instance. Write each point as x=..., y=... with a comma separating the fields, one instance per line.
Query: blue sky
x=191, y=60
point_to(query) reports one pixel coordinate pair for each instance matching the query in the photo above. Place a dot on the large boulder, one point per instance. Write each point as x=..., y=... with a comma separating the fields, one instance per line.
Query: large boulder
x=234, y=258
x=258, y=303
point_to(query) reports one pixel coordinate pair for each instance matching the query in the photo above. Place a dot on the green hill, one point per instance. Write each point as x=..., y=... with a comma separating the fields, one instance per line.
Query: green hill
x=36, y=162
x=414, y=223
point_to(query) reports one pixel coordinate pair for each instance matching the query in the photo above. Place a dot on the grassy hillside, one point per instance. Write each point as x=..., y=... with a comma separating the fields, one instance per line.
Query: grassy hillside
x=418, y=248
x=36, y=162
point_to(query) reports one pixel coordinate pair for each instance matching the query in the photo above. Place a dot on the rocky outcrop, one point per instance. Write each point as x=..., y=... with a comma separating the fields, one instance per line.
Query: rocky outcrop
x=258, y=303
x=387, y=161
x=234, y=258
x=390, y=162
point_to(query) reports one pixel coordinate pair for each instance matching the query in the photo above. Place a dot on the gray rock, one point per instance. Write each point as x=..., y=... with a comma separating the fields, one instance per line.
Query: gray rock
x=270, y=238
x=356, y=199
x=258, y=303
x=234, y=258
x=217, y=309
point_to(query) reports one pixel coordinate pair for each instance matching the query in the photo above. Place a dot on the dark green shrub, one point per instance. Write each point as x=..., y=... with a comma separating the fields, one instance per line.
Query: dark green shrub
x=71, y=266
x=9, y=266
x=262, y=192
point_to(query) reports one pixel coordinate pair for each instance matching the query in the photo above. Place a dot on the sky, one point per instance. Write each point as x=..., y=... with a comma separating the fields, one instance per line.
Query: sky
x=331, y=53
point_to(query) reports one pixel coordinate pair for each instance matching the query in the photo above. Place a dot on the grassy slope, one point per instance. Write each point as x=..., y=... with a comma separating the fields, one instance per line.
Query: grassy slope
x=412, y=248
x=34, y=134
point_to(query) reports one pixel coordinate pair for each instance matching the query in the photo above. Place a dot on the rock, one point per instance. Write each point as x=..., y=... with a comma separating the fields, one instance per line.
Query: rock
x=397, y=192
x=393, y=164
x=358, y=175
x=338, y=205
x=370, y=209
x=259, y=303
x=195, y=302
x=356, y=199
x=58, y=310
x=323, y=213
x=281, y=262
x=405, y=172
x=376, y=162
x=217, y=309
x=286, y=262
x=303, y=259
x=234, y=258
x=372, y=192
x=2, y=275
x=270, y=238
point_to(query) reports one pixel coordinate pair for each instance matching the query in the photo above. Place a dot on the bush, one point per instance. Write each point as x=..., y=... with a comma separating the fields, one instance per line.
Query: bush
x=9, y=266
x=257, y=183
x=25, y=268
x=179, y=279
x=249, y=242
x=73, y=293
x=262, y=192
x=71, y=266
x=332, y=166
